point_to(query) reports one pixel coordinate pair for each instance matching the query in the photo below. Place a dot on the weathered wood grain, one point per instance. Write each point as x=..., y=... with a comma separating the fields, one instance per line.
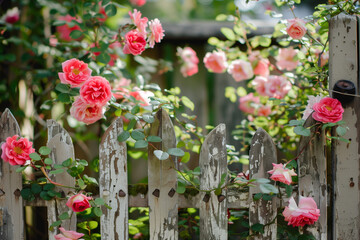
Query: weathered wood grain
x=213, y=164
x=113, y=182
x=60, y=143
x=312, y=175
x=11, y=210
x=262, y=155
x=344, y=64
x=162, y=178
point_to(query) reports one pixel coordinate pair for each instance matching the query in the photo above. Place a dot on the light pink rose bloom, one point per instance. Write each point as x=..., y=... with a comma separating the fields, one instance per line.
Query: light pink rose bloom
x=277, y=86
x=68, y=235
x=242, y=178
x=240, y=70
x=260, y=65
x=85, y=112
x=189, y=61
x=96, y=91
x=246, y=103
x=281, y=174
x=140, y=23
x=264, y=111
x=310, y=103
x=134, y=43
x=16, y=150
x=157, y=32
x=138, y=236
x=11, y=16
x=306, y=214
x=328, y=110
x=53, y=41
x=119, y=90
x=296, y=28
x=215, y=61
x=65, y=30
x=259, y=85
x=75, y=72
x=138, y=3
x=286, y=59
x=78, y=202
x=142, y=96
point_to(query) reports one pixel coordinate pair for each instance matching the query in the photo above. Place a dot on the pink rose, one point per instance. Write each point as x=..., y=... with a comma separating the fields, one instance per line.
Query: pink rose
x=65, y=30
x=286, y=59
x=142, y=96
x=281, y=174
x=189, y=69
x=296, y=28
x=138, y=236
x=240, y=70
x=189, y=61
x=140, y=23
x=96, y=91
x=246, y=103
x=215, y=61
x=11, y=16
x=259, y=85
x=306, y=213
x=75, y=72
x=328, y=110
x=119, y=89
x=78, y=202
x=134, y=43
x=68, y=235
x=85, y=112
x=260, y=65
x=102, y=12
x=157, y=32
x=310, y=103
x=263, y=111
x=277, y=86
x=16, y=150
x=138, y=3
x=242, y=178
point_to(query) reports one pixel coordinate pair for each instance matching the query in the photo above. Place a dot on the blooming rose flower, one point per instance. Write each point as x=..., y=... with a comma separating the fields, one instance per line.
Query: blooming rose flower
x=85, y=112
x=215, y=61
x=286, y=59
x=263, y=111
x=102, y=12
x=240, y=70
x=157, y=32
x=310, y=103
x=260, y=65
x=16, y=150
x=259, y=85
x=189, y=69
x=75, y=72
x=189, y=61
x=96, y=91
x=65, y=30
x=12, y=15
x=138, y=3
x=142, y=96
x=328, y=110
x=242, y=178
x=281, y=174
x=78, y=202
x=246, y=103
x=296, y=28
x=134, y=43
x=306, y=213
x=119, y=90
x=277, y=86
x=68, y=235
x=140, y=23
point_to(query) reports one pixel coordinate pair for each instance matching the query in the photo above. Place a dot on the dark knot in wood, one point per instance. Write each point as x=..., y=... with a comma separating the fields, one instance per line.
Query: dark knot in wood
x=171, y=192
x=2, y=193
x=122, y=193
x=221, y=198
x=341, y=90
x=156, y=193
x=206, y=198
x=17, y=193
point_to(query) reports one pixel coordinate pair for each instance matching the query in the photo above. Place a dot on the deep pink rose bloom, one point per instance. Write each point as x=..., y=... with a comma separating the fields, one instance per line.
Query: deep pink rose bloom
x=12, y=15
x=189, y=61
x=157, y=32
x=134, y=43
x=277, y=86
x=78, y=202
x=75, y=72
x=85, y=112
x=96, y=91
x=296, y=28
x=240, y=70
x=281, y=174
x=306, y=213
x=215, y=61
x=16, y=150
x=140, y=23
x=102, y=12
x=189, y=69
x=138, y=3
x=65, y=30
x=260, y=65
x=263, y=111
x=286, y=59
x=68, y=235
x=246, y=103
x=328, y=110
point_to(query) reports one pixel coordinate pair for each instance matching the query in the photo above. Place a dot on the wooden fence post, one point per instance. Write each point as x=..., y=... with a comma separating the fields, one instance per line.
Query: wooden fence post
x=344, y=65
x=11, y=204
x=262, y=155
x=312, y=176
x=163, y=200
x=60, y=143
x=113, y=183
x=213, y=164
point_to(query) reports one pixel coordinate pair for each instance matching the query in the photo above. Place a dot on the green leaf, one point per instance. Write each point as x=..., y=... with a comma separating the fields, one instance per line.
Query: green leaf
x=64, y=216
x=97, y=211
x=228, y=33
x=262, y=180
x=148, y=118
x=20, y=169
x=83, y=162
x=135, y=109
x=123, y=136
x=48, y=186
x=264, y=41
x=296, y=123
x=57, y=171
x=59, y=23
x=223, y=178
x=81, y=184
x=188, y=103
x=258, y=227
x=257, y=196
x=44, y=150
x=45, y=196
x=55, y=224
x=103, y=58
x=137, y=135
x=154, y=139
x=176, y=152
x=341, y=131
x=99, y=201
x=67, y=162
x=186, y=157
x=289, y=190
x=48, y=161
x=268, y=188
x=300, y=130
x=64, y=97
x=141, y=144
x=180, y=188
x=161, y=155
x=34, y=156
x=75, y=34
x=63, y=88
x=110, y=10
x=131, y=124
x=93, y=225
x=104, y=2
x=35, y=188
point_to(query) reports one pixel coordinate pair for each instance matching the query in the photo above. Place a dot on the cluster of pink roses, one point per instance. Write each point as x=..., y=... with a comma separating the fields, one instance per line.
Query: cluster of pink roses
x=188, y=60
x=251, y=104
